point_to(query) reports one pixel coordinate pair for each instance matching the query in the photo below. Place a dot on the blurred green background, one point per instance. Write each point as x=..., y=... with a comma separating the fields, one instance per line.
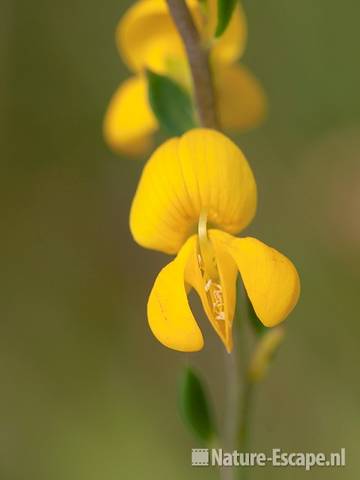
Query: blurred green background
x=86, y=391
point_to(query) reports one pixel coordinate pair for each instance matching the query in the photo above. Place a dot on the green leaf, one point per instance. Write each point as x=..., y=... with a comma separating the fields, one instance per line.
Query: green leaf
x=194, y=406
x=171, y=104
x=225, y=11
x=258, y=327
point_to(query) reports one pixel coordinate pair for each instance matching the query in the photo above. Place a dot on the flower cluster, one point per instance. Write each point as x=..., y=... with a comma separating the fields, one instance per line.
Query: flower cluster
x=197, y=190
x=147, y=39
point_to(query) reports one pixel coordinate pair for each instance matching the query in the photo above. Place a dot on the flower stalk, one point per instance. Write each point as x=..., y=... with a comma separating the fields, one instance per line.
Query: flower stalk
x=198, y=57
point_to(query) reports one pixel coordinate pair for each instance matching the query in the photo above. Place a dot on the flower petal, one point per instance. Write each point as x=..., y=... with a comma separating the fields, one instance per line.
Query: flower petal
x=202, y=170
x=218, y=179
x=270, y=279
x=228, y=274
x=129, y=121
x=162, y=216
x=146, y=36
x=169, y=314
x=240, y=97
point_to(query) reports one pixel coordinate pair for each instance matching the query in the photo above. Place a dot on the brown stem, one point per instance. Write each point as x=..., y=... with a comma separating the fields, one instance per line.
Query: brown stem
x=199, y=63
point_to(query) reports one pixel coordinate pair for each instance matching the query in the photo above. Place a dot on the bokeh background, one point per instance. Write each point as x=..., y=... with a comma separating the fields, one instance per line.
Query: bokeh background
x=86, y=391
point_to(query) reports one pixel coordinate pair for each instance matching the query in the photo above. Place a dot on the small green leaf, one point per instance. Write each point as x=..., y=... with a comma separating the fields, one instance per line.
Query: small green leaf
x=171, y=104
x=194, y=406
x=258, y=327
x=225, y=11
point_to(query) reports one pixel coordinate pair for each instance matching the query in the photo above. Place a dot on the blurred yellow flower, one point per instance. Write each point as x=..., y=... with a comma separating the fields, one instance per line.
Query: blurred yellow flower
x=265, y=349
x=147, y=38
x=198, y=180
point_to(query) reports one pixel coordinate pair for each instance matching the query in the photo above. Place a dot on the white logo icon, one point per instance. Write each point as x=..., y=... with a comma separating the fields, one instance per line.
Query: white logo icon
x=200, y=457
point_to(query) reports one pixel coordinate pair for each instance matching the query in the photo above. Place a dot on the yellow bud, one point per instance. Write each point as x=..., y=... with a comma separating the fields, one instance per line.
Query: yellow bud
x=266, y=348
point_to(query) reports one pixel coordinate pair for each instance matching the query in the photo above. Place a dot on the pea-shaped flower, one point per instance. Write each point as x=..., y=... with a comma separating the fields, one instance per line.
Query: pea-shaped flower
x=195, y=192
x=147, y=38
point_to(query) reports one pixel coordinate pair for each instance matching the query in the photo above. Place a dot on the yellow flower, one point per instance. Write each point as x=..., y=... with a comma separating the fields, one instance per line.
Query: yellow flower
x=147, y=38
x=198, y=180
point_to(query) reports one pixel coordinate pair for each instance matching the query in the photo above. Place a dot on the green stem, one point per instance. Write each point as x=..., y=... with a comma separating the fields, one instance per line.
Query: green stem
x=244, y=426
x=245, y=416
x=198, y=58
x=245, y=400
x=231, y=412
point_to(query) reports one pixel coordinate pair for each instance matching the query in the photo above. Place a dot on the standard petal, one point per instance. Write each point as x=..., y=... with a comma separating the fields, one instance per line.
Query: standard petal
x=241, y=99
x=202, y=170
x=169, y=314
x=226, y=288
x=146, y=36
x=270, y=279
x=162, y=216
x=218, y=179
x=129, y=121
